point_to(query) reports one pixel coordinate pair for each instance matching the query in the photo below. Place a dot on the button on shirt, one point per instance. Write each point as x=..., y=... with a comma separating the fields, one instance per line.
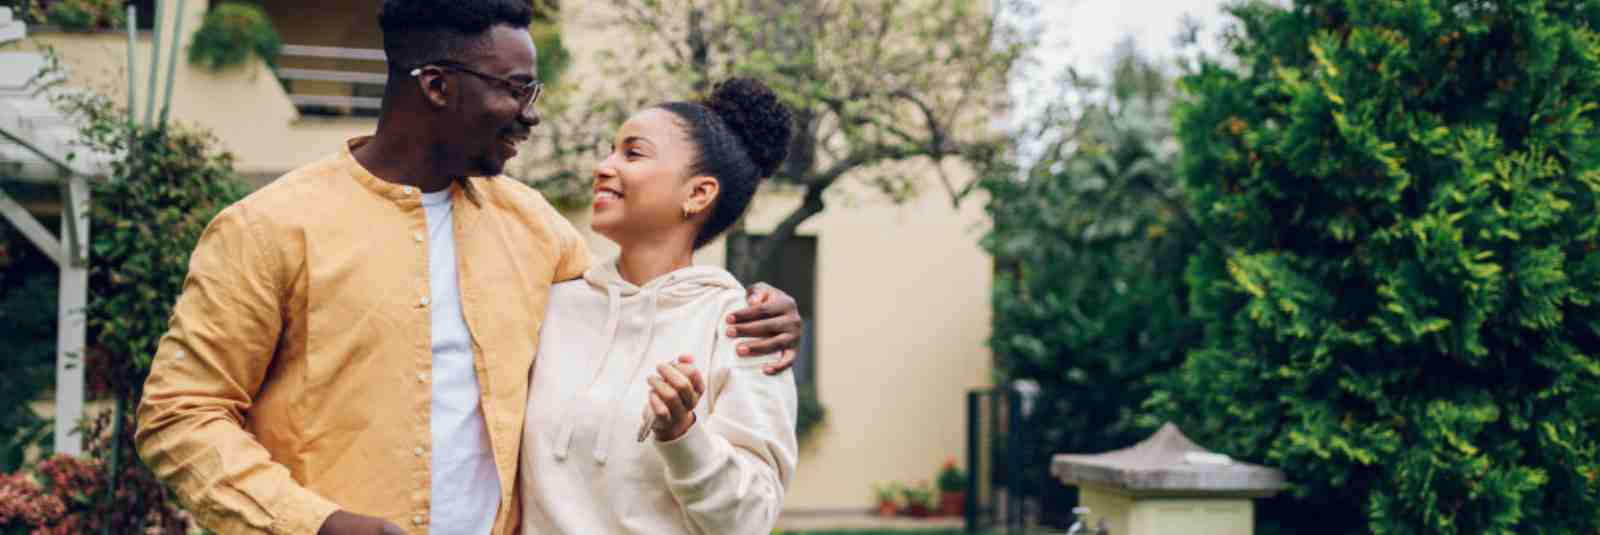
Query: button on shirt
x=466, y=490
x=302, y=372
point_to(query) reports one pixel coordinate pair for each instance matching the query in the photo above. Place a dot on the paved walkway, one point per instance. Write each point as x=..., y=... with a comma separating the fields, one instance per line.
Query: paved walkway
x=860, y=521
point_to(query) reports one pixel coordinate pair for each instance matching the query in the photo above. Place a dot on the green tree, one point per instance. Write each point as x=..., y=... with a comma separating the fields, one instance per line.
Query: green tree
x=1089, y=299
x=28, y=331
x=1400, y=307
x=872, y=84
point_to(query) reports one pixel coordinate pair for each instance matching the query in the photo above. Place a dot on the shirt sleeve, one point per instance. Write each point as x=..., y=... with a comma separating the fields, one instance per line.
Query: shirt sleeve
x=208, y=368
x=572, y=248
x=730, y=470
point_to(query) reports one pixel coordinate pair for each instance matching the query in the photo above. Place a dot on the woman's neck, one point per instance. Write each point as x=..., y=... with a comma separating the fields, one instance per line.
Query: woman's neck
x=641, y=263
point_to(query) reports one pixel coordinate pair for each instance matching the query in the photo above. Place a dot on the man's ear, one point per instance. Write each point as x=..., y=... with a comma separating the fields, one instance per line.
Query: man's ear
x=434, y=85
x=703, y=191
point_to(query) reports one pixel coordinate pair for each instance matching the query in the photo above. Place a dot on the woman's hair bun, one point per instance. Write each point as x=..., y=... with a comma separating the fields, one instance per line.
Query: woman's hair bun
x=754, y=114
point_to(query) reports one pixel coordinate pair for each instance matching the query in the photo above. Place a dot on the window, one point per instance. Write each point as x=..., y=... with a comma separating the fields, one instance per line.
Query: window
x=794, y=270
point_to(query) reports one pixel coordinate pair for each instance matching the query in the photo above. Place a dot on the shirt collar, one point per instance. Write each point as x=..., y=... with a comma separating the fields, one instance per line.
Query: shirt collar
x=405, y=196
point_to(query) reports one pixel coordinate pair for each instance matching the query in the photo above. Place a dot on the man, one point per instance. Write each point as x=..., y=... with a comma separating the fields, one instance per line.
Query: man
x=352, y=348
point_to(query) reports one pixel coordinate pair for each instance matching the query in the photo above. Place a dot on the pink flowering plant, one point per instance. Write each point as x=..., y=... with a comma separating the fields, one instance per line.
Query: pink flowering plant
x=56, y=499
x=65, y=495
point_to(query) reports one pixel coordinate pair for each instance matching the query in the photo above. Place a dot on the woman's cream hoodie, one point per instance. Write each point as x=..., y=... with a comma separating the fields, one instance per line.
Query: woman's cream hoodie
x=582, y=470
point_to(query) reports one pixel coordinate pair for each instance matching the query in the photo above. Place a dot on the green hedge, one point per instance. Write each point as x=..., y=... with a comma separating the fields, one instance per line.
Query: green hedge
x=1401, y=311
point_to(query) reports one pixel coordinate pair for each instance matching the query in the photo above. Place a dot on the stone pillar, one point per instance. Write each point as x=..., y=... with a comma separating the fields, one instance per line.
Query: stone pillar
x=1167, y=485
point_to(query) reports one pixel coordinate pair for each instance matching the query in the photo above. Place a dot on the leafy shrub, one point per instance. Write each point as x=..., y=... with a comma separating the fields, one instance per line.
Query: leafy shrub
x=84, y=15
x=230, y=34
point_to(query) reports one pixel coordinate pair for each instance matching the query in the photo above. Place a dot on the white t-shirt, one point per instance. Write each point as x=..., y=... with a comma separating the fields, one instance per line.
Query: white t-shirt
x=466, y=486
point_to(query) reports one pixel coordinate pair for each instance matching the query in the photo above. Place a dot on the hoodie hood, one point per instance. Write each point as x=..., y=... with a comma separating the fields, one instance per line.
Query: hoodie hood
x=672, y=289
x=665, y=292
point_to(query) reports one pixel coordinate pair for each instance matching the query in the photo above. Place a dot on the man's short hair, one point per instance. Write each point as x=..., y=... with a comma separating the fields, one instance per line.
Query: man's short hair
x=421, y=31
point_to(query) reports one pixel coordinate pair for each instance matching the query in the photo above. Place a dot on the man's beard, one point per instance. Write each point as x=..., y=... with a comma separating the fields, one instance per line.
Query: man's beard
x=487, y=165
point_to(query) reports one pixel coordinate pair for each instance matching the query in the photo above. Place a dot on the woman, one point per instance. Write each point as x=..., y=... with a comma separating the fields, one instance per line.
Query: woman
x=715, y=445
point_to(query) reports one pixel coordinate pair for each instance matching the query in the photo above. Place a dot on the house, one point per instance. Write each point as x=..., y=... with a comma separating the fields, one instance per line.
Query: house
x=896, y=295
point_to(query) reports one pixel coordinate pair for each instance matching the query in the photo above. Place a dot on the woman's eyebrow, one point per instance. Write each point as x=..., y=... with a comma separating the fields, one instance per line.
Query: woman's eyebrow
x=636, y=139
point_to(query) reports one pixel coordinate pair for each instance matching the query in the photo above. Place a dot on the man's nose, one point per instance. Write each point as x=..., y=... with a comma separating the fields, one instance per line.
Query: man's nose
x=529, y=116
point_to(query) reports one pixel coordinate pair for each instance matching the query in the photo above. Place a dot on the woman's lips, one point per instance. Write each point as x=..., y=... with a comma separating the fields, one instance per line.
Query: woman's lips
x=603, y=196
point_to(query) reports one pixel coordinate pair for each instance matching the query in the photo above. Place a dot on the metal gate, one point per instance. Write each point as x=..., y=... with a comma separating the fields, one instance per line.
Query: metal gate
x=1009, y=490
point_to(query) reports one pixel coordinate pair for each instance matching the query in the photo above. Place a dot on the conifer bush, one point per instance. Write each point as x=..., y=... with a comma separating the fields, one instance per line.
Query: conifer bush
x=1400, y=308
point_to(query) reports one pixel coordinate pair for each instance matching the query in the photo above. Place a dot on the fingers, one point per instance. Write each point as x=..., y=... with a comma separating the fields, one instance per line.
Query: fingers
x=765, y=302
x=698, y=381
x=663, y=420
x=768, y=346
x=755, y=313
x=685, y=366
x=784, y=362
x=765, y=327
x=677, y=376
x=669, y=396
x=759, y=293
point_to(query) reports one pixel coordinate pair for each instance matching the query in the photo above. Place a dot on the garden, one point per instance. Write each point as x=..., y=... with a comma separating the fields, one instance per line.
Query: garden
x=1357, y=244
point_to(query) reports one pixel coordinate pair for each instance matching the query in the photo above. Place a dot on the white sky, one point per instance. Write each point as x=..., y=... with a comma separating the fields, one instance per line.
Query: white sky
x=1083, y=33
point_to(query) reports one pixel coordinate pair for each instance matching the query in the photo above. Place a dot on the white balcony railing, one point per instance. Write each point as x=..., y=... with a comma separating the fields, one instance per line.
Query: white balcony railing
x=356, y=96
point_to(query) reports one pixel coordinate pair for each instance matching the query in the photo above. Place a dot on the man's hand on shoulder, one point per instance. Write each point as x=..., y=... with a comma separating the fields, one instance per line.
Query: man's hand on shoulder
x=347, y=523
x=774, y=318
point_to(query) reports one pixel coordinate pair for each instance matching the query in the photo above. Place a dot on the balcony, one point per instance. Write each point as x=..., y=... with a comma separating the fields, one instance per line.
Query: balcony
x=352, y=85
x=327, y=87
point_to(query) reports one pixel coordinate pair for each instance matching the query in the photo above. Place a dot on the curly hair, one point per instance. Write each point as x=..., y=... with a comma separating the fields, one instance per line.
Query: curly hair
x=741, y=134
x=420, y=31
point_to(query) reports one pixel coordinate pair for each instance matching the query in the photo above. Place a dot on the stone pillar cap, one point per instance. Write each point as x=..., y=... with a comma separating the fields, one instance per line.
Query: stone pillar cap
x=1168, y=463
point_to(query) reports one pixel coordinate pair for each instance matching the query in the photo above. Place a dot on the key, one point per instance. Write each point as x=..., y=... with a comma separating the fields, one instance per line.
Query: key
x=645, y=426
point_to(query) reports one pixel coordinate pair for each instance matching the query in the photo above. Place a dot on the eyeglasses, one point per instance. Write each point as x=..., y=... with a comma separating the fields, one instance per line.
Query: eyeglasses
x=527, y=93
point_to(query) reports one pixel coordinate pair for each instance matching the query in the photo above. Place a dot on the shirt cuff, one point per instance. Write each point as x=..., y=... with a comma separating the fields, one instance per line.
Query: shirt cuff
x=302, y=513
x=691, y=453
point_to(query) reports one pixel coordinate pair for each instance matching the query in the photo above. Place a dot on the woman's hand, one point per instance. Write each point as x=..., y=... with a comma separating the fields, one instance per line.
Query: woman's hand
x=674, y=391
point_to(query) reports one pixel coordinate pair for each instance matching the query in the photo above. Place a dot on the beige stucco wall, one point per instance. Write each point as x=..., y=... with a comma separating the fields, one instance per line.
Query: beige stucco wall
x=244, y=107
x=902, y=315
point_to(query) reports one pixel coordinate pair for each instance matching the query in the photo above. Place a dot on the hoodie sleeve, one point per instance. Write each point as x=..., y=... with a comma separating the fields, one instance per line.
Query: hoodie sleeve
x=729, y=472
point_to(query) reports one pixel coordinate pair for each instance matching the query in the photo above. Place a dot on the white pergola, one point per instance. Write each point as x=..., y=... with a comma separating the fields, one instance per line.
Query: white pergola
x=37, y=145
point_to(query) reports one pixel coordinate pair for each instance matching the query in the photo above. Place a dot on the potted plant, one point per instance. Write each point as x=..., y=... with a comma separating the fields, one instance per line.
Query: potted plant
x=919, y=499
x=231, y=33
x=952, y=489
x=887, y=493
x=83, y=15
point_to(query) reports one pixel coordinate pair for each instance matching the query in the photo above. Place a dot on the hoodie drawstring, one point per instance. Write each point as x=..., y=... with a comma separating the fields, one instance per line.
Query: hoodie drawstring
x=602, y=445
x=613, y=319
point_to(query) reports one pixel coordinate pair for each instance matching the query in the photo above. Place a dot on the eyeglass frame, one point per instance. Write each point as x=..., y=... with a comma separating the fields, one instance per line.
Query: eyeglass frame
x=534, y=89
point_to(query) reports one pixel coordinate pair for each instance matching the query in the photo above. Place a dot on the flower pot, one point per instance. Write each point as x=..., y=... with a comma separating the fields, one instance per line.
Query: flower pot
x=917, y=510
x=952, y=503
x=887, y=509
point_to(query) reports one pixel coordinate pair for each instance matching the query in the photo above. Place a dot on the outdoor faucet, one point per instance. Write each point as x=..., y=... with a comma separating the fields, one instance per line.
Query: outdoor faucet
x=1081, y=527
